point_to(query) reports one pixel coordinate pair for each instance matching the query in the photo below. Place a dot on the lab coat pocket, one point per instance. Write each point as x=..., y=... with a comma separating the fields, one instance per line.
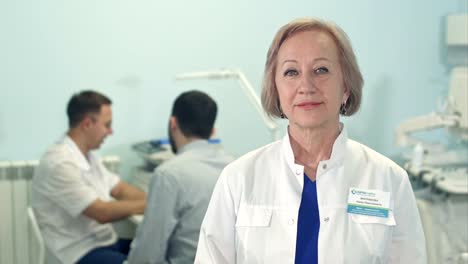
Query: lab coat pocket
x=375, y=232
x=252, y=233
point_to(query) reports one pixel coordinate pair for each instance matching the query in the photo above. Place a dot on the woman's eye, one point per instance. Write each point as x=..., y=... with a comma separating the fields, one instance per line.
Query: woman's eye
x=290, y=72
x=321, y=70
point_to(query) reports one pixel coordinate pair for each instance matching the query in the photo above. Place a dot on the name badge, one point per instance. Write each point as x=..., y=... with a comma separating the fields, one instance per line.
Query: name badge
x=368, y=202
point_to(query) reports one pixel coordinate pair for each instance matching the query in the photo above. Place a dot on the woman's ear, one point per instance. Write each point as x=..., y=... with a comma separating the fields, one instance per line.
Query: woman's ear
x=346, y=94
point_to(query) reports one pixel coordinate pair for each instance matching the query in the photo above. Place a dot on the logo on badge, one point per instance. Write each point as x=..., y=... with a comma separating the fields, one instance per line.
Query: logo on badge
x=363, y=193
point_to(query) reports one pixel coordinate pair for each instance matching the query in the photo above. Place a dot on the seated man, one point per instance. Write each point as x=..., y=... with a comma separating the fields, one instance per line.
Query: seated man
x=72, y=191
x=181, y=187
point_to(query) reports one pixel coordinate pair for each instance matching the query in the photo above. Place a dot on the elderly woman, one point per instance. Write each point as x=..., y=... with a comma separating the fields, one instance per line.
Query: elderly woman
x=315, y=196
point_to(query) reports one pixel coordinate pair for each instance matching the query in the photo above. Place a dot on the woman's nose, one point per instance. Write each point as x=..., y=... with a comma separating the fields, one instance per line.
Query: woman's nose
x=307, y=84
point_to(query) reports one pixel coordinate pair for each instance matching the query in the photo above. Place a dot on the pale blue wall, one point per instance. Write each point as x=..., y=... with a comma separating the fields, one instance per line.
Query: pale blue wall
x=131, y=51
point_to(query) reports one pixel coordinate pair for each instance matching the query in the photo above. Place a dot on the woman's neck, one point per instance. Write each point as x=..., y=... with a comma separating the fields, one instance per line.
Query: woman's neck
x=312, y=145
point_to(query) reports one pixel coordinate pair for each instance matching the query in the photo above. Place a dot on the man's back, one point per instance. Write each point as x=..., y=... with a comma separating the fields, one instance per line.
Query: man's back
x=179, y=193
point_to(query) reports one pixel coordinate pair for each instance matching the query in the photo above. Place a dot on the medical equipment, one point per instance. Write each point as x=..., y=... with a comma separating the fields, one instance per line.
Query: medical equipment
x=452, y=114
x=441, y=175
x=246, y=88
x=156, y=151
x=437, y=161
x=153, y=152
x=150, y=146
x=439, y=172
x=454, y=117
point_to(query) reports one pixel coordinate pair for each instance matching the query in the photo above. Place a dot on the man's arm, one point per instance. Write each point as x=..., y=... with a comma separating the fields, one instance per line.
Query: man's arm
x=105, y=212
x=66, y=187
x=125, y=191
x=130, y=201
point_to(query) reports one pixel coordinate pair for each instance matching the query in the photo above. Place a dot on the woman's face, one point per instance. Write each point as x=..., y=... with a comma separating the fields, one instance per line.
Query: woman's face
x=309, y=80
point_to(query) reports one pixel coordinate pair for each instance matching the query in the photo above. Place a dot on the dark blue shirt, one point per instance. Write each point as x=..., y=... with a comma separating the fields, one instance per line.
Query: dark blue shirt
x=308, y=225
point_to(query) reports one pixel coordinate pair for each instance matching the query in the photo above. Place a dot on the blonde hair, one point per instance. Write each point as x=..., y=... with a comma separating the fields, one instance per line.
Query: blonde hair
x=352, y=76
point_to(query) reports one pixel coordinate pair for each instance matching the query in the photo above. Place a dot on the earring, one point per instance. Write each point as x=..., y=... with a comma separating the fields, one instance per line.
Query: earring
x=282, y=115
x=343, y=108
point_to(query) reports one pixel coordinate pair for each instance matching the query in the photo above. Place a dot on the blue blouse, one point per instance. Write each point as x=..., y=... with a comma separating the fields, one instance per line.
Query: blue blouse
x=308, y=225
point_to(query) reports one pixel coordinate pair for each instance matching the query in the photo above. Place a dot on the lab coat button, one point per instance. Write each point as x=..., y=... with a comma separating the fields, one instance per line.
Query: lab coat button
x=324, y=166
x=291, y=221
x=326, y=219
x=298, y=172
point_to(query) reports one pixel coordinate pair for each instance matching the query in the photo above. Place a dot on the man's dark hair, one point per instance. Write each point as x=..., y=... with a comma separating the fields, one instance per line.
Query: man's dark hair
x=84, y=103
x=196, y=113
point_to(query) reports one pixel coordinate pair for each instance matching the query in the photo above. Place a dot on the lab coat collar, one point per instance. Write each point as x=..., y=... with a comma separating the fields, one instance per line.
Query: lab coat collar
x=336, y=157
x=81, y=160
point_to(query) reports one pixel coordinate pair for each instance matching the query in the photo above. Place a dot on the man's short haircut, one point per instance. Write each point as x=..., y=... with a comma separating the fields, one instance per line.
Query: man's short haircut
x=84, y=103
x=196, y=113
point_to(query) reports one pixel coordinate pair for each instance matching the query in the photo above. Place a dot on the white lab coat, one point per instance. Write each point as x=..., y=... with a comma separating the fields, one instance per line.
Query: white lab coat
x=252, y=216
x=65, y=183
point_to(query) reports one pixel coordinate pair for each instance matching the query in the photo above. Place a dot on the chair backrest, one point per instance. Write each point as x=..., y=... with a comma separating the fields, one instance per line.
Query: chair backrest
x=37, y=235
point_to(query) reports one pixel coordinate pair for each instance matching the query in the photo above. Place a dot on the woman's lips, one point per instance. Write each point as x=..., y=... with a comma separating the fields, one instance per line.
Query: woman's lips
x=308, y=105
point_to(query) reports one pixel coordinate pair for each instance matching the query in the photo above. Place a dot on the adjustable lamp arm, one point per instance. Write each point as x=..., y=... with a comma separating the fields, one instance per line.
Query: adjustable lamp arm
x=246, y=88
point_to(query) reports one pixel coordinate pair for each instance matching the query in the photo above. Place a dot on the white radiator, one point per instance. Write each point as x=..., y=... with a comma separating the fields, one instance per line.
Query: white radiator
x=15, y=178
x=17, y=245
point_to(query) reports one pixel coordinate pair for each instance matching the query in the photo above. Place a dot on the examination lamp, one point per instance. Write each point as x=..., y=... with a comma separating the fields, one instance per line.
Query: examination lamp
x=246, y=88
